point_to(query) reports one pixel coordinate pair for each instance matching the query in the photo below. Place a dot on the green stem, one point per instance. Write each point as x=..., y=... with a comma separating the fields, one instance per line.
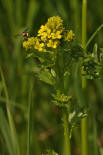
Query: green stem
x=84, y=136
x=66, y=134
x=84, y=146
x=61, y=87
x=84, y=12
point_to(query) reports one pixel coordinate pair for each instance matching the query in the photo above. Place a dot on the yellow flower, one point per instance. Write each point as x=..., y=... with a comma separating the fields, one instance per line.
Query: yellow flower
x=44, y=33
x=39, y=46
x=55, y=22
x=29, y=44
x=56, y=35
x=34, y=43
x=50, y=43
x=56, y=43
x=53, y=44
x=42, y=29
x=68, y=36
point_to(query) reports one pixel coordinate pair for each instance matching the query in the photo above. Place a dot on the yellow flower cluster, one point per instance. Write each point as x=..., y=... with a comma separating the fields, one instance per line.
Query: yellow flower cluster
x=33, y=43
x=69, y=35
x=51, y=32
x=29, y=44
x=53, y=44
x=49, y=35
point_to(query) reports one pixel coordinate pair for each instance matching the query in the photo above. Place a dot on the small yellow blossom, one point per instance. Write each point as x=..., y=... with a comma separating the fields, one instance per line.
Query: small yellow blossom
x=29, y=44
x=44, y=33
x=53, y=44
x=68, y=36
x=39, y=46
x=56, y=35
x=56, y=43
x=42, y=29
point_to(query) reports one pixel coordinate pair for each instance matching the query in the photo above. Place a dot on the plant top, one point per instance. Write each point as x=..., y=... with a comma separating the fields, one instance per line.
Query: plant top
x=49, y=36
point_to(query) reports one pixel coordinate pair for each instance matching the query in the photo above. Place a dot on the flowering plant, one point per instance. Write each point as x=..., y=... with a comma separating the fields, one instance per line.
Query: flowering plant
x=57, y=52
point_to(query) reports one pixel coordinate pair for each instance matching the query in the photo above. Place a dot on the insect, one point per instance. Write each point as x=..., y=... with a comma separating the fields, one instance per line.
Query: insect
x=24, y=34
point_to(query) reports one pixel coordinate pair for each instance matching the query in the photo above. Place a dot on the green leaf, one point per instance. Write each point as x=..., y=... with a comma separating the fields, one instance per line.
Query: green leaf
x=95, y=54
x=47, y=59
x=91, y=67
x=45, y=76
x=75, y=116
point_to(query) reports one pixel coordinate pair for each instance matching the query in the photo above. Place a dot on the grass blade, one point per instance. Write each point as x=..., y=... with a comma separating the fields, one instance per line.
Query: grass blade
x=5, y=130
x=93, y=35
x=10, y=119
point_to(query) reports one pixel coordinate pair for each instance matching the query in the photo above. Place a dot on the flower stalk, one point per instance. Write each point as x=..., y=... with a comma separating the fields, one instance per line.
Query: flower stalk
x=66, y=134
x=65, y=112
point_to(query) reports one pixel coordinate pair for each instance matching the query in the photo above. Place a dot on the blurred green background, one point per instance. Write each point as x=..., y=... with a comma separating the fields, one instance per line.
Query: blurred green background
x=17, y=74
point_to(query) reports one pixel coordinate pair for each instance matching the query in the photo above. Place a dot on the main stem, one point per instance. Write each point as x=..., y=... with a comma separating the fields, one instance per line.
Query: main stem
x=66, y=134
x=65, y=112
x=84, y=146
